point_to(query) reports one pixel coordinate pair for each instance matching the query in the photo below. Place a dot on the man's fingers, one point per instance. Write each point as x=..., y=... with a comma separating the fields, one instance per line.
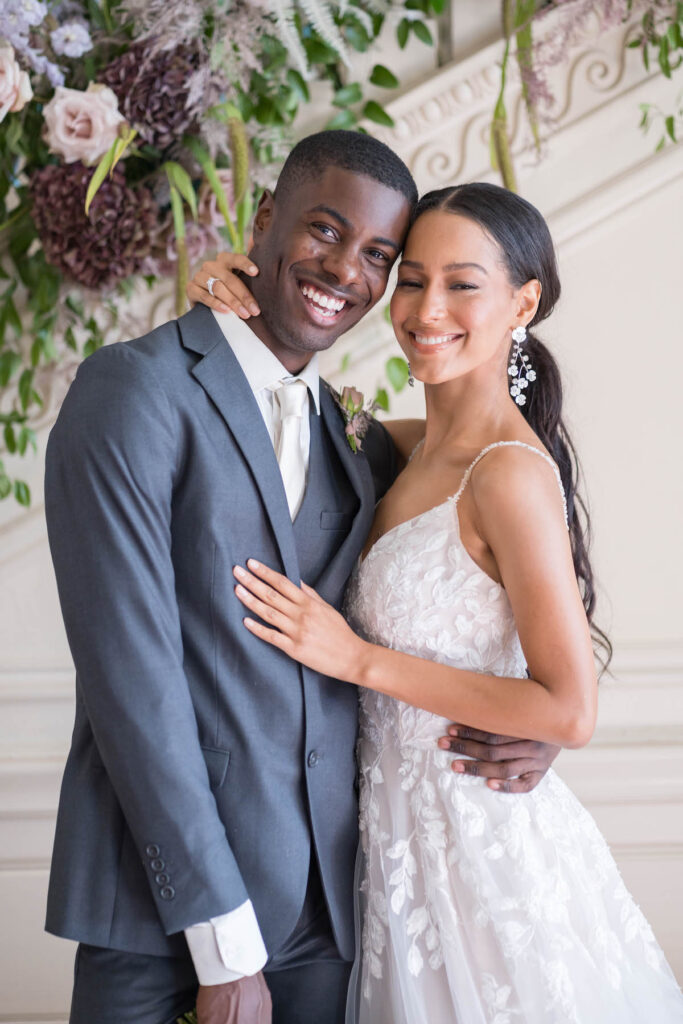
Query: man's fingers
x=488, y=752
x=495, y=770
x=524, y=784
x=466, y=732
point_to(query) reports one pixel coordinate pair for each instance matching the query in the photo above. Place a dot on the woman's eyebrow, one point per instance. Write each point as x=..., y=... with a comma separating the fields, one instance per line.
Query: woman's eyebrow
x=448, y=267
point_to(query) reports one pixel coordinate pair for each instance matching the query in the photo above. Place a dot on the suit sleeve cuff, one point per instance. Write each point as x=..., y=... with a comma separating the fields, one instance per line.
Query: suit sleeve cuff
x=228, y=947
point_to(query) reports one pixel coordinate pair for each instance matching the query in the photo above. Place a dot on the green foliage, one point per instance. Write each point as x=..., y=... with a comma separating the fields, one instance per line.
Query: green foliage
x=670, y=126
x=383, y=77
x=398, y=373
x=43, y=315
x=660, y=40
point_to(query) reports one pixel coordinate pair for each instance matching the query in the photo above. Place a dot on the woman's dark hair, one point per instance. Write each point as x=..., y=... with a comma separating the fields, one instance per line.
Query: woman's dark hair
x=524, y=240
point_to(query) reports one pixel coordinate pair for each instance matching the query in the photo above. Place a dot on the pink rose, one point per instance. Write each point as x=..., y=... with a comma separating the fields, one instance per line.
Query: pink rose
x=82, y=125
x=15, y=87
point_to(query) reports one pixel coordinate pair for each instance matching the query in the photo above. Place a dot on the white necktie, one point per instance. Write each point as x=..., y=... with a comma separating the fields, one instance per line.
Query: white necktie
x=292, y=398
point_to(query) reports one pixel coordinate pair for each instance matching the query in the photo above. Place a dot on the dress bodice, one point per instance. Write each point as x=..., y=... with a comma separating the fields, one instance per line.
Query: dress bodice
x=419, y=591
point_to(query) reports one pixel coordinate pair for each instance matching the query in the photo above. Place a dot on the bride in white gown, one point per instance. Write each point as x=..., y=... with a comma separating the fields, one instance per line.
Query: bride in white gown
x=472, y=603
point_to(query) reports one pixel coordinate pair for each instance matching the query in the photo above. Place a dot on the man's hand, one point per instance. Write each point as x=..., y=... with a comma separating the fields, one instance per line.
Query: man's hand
x=509, y=765
x=246, y=1001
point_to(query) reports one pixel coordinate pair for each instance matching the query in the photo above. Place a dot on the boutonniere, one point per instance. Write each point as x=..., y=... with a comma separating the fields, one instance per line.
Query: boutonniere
x=356, y=413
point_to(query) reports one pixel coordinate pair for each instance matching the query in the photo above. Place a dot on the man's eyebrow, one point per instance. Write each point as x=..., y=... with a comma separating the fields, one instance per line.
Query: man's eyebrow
x=321, y=208
x=448, y=267
x=346, y=223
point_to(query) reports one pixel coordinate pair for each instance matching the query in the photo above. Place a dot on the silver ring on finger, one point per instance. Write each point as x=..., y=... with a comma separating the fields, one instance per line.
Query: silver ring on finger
x=209, y=286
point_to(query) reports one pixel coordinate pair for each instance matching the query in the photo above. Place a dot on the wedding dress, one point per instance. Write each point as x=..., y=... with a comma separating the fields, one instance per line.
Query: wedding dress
x=478, y=907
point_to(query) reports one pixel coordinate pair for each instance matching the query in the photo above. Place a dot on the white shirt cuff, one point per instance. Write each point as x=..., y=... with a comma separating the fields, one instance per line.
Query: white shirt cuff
x=228, y=947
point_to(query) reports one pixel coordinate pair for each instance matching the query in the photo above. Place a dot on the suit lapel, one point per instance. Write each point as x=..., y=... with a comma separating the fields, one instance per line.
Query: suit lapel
x=221, y=376
x=360, y=478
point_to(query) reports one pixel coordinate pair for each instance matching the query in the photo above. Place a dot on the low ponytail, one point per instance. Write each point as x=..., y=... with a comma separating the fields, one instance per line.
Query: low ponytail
x=522, y=235
x=543, y=413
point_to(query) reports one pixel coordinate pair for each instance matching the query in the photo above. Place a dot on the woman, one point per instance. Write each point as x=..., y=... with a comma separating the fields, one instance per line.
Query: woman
x=472, y=602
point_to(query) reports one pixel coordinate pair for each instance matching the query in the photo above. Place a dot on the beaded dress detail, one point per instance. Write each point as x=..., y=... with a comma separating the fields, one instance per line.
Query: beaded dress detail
x=478, y=907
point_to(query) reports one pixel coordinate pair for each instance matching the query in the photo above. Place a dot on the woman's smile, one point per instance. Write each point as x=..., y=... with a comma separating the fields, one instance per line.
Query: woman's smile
x=429, y=342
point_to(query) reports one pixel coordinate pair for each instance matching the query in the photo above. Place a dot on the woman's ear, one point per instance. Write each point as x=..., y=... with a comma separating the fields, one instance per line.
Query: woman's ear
x=528, y=298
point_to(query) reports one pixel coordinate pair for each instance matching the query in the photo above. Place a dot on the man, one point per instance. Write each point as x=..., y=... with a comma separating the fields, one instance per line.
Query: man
x=207, y=827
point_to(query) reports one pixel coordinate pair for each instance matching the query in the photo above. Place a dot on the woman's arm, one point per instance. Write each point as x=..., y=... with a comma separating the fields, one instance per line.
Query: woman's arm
x=229, y=292
x=520, y=516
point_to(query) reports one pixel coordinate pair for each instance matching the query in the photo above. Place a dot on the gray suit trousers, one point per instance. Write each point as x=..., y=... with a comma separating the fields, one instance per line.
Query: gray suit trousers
x=307, y=978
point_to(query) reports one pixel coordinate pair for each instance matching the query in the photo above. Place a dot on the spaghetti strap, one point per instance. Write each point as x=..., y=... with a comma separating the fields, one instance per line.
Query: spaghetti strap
x=514, y=444
x=416, y=449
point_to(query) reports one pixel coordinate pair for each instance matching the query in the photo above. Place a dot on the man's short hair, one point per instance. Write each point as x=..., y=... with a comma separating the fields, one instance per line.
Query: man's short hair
x=350, y=151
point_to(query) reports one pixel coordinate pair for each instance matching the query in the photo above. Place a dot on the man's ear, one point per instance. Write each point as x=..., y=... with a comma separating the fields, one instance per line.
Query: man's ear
x=264, y=214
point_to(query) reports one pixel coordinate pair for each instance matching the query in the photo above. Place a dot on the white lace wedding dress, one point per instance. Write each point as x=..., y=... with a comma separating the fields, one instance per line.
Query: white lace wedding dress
x=478, y=907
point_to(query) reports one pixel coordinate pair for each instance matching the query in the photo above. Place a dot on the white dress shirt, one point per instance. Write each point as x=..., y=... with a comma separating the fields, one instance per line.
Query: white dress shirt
x=230, y=946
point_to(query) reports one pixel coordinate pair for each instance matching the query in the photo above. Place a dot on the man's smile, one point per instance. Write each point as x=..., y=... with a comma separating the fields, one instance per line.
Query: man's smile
x=324, y=305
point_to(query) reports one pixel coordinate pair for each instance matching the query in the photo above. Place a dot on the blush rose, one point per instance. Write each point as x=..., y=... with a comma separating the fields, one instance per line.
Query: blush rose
x=82, y=125
x=15, y=87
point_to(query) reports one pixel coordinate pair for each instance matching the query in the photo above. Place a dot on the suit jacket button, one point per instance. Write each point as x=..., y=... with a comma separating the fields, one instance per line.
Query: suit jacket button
x=162, y=879
x=167, y=893
x=152, y=850
x=157, y=864
x=313, y=758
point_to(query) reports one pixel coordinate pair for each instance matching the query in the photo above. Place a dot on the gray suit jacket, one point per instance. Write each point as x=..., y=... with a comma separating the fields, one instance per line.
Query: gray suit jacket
x=190, y=786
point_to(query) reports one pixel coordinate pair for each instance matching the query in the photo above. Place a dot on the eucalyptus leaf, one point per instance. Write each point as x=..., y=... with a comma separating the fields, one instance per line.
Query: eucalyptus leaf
x=10, y=362
x=344, y=119
x=297, y=84
x=397, y=372
x=383, y=77
x=382, y=399
x=374, y=112
x=421, y=30
x=25, y=388
x=402, y=32
x=347, y=95
x=22, y=492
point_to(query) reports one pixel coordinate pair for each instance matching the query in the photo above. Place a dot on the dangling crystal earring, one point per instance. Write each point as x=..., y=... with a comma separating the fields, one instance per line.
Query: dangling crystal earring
x=520, y=367
x=411, y=379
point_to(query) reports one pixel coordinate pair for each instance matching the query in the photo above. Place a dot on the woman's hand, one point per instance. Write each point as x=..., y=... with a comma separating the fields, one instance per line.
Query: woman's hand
x=306, y=628
x=229, y=292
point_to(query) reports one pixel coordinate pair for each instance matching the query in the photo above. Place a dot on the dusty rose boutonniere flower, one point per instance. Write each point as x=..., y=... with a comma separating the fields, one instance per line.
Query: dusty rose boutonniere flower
x=356, y=413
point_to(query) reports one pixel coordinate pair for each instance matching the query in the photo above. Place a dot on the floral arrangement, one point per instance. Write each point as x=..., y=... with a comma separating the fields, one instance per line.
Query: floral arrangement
x=135, y=138
x=539, y=37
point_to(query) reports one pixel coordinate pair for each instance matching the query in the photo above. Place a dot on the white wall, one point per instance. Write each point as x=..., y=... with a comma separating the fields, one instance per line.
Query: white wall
x=615, y=211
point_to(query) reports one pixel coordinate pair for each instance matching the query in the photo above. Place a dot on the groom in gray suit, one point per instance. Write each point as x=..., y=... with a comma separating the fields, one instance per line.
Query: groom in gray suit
x=207, y=829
